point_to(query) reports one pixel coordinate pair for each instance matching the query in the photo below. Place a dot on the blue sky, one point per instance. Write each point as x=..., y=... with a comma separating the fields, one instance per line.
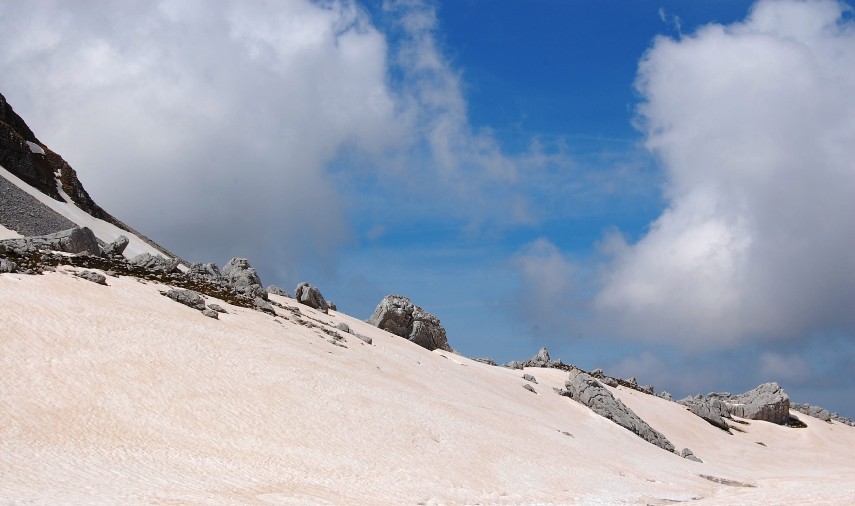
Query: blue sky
x=661, y=189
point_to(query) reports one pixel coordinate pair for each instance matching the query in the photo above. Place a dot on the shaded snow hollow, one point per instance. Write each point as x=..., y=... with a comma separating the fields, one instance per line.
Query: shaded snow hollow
x=116, y=394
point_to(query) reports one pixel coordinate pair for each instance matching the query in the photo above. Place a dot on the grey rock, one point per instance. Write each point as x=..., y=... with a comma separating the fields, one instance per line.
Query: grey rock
x=529, y=388
x=309, y=295
x=514, y=364
x=529, y=377
x=187, y=297
x=539, y=360
x=117, y=247
x=367, y=339
x=814, y=411
x=398, y=315
x=713, y=411
x=210, y=313
x=767, y=402
x=216, y=307
x=154, y=263
x=73, y=240
x=485, y=360
x=665, y=395
x=612, y=382
x=264, y=306
x=647, y=389
x=7, y=266
x=208, y=271
x=331, y=305
x=344, y=327
x=243, y=278
x=687, y=454
x=588, y=391
x=275, y=290
x=93, y=277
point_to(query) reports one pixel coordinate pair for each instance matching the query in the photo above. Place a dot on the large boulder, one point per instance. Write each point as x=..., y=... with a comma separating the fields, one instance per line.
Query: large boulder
x=73, y=240
x=814, y=411
x=767, y=402
x=187, y=297
x=117, y=247
x=243, y=278
x=154, y=263
x=208, y=271
x=585, y=389
x=309, y=295
x=398, y=315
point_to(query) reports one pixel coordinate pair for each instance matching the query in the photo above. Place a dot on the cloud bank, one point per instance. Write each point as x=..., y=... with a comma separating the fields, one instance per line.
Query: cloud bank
x=753, y=125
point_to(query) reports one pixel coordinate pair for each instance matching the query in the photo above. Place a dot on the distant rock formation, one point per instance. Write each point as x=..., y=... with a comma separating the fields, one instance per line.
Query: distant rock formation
x=73, y=240
x=821, y=413
x=585, y=389
x=275, y=290
x=309, y=295
x=542, y=359
x=767, y=402
x=208, y=271
x=155, y=263
x=240, y=275
x=398, y=315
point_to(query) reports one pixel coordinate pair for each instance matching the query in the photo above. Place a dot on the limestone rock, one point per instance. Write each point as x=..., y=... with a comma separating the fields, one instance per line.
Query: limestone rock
x=344, y=327
x=117, y=247
x=187, y=297
x=73, y=240
x=687, y=454
x=208, y=271
x=243, y=278
x=216, y=307
x=529, y=377
x=767, y=402
x=275, y=290
x=529, y=388
x=398, y=315
x=7, y=266
x=264, y=305
x=588, y=391
x=713, y=411
x=93, y=277
x=309, y=295
x=154, y=263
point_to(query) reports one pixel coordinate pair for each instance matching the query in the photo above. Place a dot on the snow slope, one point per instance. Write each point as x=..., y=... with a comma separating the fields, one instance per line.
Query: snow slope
x=103, y=230
x=118, y=395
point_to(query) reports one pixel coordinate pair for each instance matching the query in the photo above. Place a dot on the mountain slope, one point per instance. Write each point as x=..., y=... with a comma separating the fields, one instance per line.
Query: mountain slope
x=118, y=394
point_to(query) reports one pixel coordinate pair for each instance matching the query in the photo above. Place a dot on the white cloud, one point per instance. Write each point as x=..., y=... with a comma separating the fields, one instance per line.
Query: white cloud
x=753, y=124
x=547, y=287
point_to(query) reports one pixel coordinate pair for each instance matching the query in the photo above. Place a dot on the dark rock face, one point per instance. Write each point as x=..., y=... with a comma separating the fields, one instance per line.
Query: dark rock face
x=398, y=315
x=239, y=274
x=187, y=297
x=117, y=247
x=73, y=240
x=586, y=390
x=309, y=295
x=23, y=213
x=93, y=277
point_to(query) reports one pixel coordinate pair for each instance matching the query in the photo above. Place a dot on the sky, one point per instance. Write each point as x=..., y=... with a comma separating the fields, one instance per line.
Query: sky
x=663, y=189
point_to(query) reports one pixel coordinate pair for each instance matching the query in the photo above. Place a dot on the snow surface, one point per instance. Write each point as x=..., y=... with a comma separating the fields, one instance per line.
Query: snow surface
x=118, y=395
x=35, y=148
x=103, y=230
x=6, y=233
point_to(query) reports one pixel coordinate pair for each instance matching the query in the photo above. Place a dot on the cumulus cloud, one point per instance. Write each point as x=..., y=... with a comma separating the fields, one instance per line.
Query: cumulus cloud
x=228, y=128
x=753, y=125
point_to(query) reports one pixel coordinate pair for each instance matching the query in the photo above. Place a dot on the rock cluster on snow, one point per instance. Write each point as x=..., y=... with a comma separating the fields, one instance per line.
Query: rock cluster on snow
x=93, y=277
x=587, y=390
x=398, y=315
x=116, y=248
x=542, y=359
x=193, y=300
x=767, y=402
x=156, y=263
x=821, y=413
x=239, y=274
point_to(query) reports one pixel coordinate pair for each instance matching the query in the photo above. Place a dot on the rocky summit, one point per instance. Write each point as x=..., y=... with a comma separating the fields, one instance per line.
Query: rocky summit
x=398, y=315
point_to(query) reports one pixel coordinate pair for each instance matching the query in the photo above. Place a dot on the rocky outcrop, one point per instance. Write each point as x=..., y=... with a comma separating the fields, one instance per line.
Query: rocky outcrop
x=117, y=247
x=767, y=402
x=275, y=290
x=821, y=413
x=542, y=359
x=687, y=454
x=155, y=263
x=713, y=410
x=398, y=315
x=93, y=277
x=240, y=275
x=187, y=297
x=208, y=271
x=7, y=266
x=529, y=377
x=309, y=295
x=73, y=240
x=585, y=389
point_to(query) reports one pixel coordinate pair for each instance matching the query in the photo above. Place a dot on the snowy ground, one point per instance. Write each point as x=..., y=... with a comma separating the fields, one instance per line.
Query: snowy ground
x=118, y=395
